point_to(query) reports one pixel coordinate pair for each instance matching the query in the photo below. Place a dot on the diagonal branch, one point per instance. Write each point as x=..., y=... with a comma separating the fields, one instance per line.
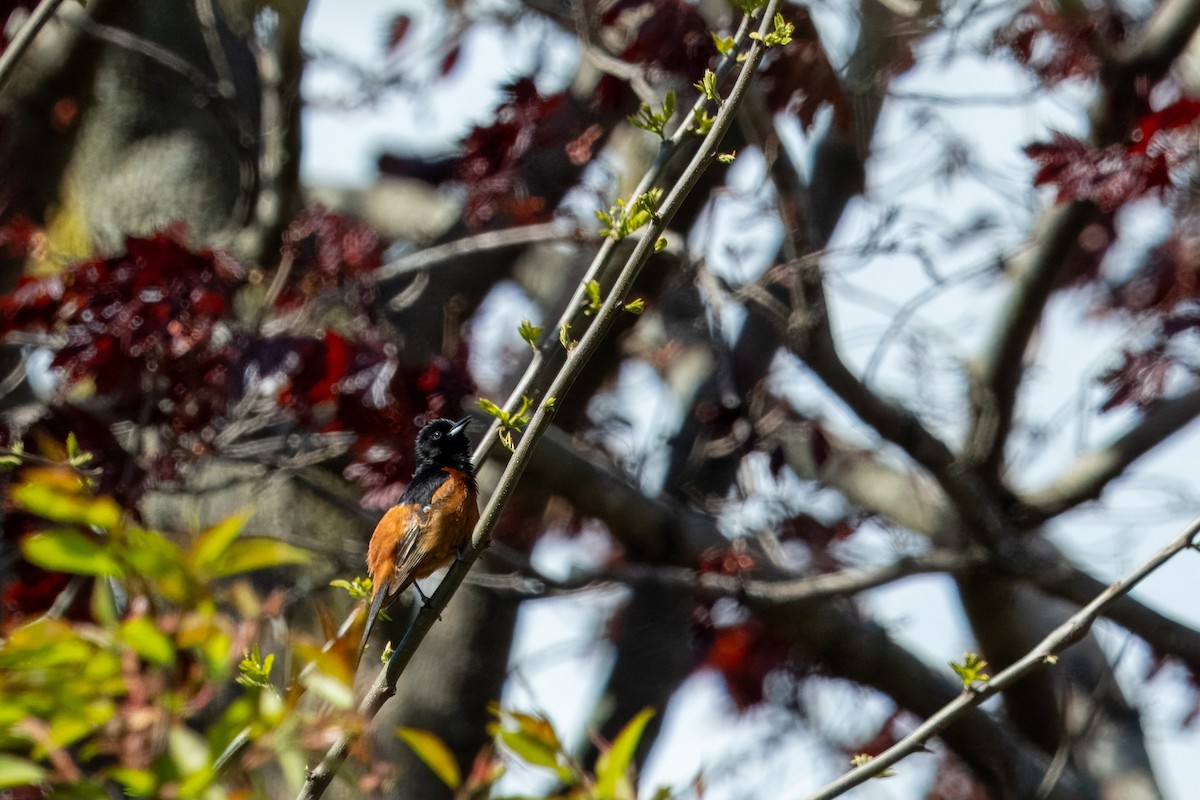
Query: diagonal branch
x=16, y=48
x=1087, y=477
x=994, y=388
x=384, y=687
x=1046, y=652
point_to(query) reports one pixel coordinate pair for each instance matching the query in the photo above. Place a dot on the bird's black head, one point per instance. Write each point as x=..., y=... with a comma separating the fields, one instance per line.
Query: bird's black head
x=444, y=443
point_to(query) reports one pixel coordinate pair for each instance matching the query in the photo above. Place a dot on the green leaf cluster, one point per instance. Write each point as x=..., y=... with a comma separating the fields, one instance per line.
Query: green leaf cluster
x=511, y=423
x=655, y=121
x=780, y=36
x=155, y=651
x=622, y=220
x=531, y=740
x=970, y=670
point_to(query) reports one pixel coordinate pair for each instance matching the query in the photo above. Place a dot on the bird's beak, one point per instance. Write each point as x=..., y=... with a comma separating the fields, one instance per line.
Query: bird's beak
x=460, y=426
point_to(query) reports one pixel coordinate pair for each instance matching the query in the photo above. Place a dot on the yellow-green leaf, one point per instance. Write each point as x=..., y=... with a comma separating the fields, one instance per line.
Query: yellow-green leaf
x=148, y=641
x=257, y=552
x=612, y=766
x=431, y=750
x=213, y=543
x=67, y=550
x=19, y=772
x=60, y=504
x=136, y=782
x=535, y=752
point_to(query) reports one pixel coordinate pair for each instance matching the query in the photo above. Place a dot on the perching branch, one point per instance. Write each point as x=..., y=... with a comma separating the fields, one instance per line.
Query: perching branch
x=384, y=686
x=1067, y=634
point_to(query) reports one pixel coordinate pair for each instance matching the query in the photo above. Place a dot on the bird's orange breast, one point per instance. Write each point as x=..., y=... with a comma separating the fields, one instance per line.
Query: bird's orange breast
x=412, y=541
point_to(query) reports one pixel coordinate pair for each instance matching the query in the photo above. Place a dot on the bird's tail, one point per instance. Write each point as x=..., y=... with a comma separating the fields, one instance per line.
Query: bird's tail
x=373, y=614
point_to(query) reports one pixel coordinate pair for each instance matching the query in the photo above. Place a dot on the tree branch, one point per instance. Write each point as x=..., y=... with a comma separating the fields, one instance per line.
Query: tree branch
x=1087, y=477
x=1067, y=634
x=994, y=388
x=384, y=686
x=24, y=38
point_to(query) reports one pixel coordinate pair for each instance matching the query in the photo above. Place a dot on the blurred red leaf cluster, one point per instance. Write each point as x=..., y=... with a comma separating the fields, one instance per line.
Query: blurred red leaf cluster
x=155, y=336
x=745, y=654
x=1057, y=44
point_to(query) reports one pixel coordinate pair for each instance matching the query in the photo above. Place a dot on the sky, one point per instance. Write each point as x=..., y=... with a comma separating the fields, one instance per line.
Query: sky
x=560, y=660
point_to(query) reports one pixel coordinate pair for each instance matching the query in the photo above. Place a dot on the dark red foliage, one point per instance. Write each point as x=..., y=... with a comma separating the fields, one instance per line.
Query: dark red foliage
x=1058, y=45
x=744, y=655
x=1179, y=114
x=143, y=326
x=801, y=78
x=955, y=781
x=155, y=333
x=1139, y=381
x=1108, y=176
x=671, y=37
x=818, y=537
x=498, y=193
x=324, y=250
x=397, y=30
x=731, y=560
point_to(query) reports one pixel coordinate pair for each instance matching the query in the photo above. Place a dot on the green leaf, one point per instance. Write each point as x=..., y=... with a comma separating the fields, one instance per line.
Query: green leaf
x=708, y=86
x=75, y=456
x=655, y=122
x=862, y=758
x=564, y=337
x=593, y=302
x=214, y=542
x=727, y=158
x=703, y=121
x=611, y=767
x=148, y=641
x=257, y=552
x=491, y=408
x=970, y=670
x=781, y=35
x=724, y=44
x=329, y=688
x=636, y=307
x=61, y=504
x=660, y=244
x=255, y=670
x=136, y=782
x=529, y=332
x=535, y=752
x=19, y=772
x=358, y=589
x=434, y=753
x=66, y=550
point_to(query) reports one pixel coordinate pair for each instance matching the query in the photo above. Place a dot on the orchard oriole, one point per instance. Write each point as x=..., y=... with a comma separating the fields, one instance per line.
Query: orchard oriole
x=432, y=521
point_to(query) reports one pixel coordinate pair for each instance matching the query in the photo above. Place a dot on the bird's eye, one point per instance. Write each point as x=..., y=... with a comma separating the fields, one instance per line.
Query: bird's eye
x=437, y=434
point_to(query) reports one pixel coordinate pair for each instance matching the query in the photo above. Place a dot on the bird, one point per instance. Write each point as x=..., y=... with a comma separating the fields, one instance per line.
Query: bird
x=431, y=523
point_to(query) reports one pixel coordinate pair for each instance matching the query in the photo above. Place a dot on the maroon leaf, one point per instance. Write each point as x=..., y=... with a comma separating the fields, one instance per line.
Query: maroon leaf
x=1179, y=114
x=397, y=30
x=801, y=78
x=1139, y=381
x=744, y=655
x=1057, y=45
x=1109, y=176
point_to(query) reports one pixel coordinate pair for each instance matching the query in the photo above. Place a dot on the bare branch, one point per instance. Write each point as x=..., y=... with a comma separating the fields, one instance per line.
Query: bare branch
x=1067, y=634
x=24, y=38
x=1086, y=478
x=994, y=388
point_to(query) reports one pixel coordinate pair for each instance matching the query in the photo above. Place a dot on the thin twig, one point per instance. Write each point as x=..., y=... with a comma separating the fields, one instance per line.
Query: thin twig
x=1062, y=637
x=20, y=43
x=384, y=686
